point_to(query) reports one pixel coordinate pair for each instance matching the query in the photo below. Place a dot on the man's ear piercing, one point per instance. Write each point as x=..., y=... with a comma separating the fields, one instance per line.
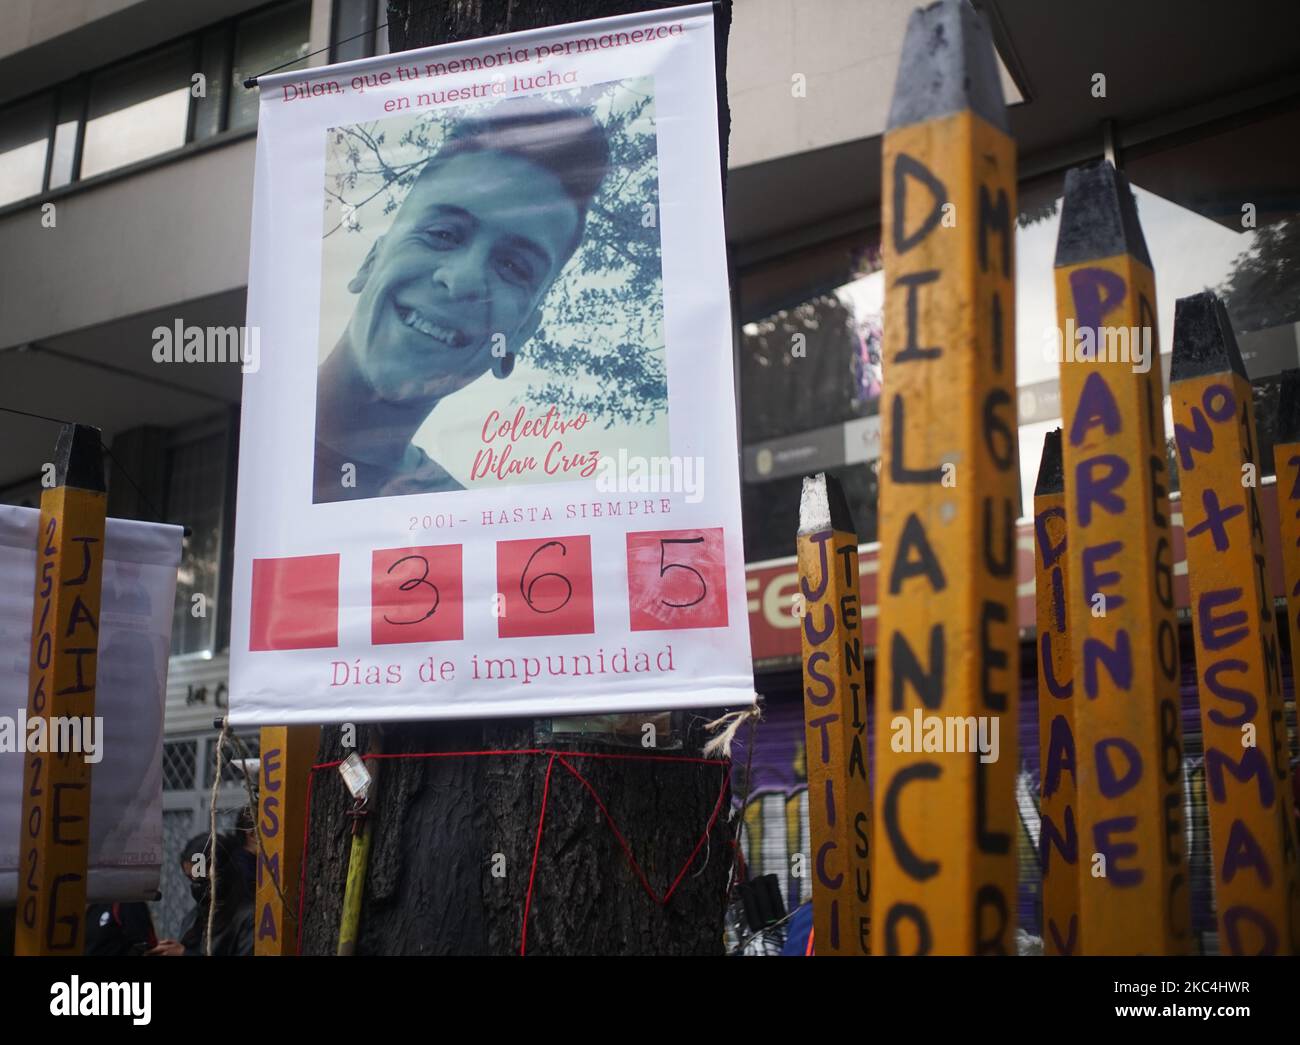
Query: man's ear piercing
x=505, y=366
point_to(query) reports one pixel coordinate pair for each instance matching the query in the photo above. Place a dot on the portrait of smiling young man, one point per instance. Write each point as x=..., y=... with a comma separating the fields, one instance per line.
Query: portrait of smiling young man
x=453, y=289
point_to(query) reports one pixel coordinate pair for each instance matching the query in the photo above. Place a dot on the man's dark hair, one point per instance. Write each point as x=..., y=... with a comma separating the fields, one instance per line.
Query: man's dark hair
x=567, y=142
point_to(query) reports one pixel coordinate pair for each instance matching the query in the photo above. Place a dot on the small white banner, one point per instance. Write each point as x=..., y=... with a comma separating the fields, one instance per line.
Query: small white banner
x=135, y=631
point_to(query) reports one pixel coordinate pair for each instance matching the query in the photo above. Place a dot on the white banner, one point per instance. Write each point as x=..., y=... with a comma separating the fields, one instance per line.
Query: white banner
x=488, y=458
x=135, y=628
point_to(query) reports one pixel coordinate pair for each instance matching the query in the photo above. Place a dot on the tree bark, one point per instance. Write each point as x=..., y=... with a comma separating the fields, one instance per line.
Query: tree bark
x=453, y=838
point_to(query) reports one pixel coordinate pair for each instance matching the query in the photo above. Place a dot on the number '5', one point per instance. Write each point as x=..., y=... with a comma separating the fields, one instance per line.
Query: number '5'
x=664, y=567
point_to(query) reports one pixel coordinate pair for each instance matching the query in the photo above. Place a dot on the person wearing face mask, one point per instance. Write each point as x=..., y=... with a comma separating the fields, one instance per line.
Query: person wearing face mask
x=232, y=929
x=454, y=289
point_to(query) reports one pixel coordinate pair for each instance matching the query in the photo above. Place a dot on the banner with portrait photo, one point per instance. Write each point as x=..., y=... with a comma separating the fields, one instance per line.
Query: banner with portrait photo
x=488, y=457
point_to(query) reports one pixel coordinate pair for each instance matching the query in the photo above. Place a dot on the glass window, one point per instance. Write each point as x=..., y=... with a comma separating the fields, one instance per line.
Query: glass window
x=810, y=384
x=209, y=110
x=354, y=22
x=72, y=99
x=263, y=42
x=1219, y=211
x=1037, y=370
x=195, y=492
x=138, y=110
x=1223, y=212
x=24, y=137
x=810, y=340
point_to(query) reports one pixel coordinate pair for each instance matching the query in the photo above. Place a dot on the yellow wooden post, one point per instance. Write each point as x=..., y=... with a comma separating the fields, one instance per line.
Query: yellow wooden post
x=286, y=757
x=835, y=720
x=1124, y=641
x=55, y=827
x=945, y=869
x=1286, y=466
x=1058, y=839
x=1252, y=827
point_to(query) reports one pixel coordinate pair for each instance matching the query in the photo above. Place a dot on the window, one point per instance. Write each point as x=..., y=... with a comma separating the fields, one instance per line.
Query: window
x=1221, y=211
x=265, y=41
x=810, y=384
x=360, y=29
x=214, y=62
x=63, y=156
x=186, y=91
x=137, y=110
x=196, y=471
x=24, y=138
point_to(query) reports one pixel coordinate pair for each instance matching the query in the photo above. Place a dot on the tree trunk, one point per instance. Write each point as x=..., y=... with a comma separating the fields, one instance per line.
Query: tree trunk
x=453, y=838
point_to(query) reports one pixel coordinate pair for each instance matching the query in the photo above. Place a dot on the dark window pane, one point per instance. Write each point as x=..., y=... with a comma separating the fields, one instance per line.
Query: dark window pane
x=354, y=21
x=195, y=483
x=72, y=99
x=24, y=136
x=810, y=357
x=138, y=110
x=1222, y=212
x=212, y=64
x=771, y=509
x=263, y=42
x=810, y=385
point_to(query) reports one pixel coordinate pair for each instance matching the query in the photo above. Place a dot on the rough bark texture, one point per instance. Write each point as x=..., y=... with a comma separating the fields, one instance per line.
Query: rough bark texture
x=439, y=822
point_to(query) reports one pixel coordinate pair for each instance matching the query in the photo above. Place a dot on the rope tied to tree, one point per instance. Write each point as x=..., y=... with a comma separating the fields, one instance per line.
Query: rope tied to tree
x=726, y=728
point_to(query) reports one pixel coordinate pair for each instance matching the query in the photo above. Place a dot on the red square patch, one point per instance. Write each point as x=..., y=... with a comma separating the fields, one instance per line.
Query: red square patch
x=295, y=603
x=544, y=587
x=677, y=579
x=416, y=595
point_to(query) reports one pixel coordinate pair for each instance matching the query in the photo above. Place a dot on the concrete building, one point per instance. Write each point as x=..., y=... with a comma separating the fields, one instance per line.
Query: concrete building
x=126, y=166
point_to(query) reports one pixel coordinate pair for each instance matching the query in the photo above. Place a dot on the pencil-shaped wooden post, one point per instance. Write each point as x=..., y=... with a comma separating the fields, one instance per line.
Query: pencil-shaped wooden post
x=945, y=866
x=1286, y=466
x=55, y=828
x=1124, y=642
x=1252, y=830
x=287, y=754
x=835, y=720
x=1058, y=838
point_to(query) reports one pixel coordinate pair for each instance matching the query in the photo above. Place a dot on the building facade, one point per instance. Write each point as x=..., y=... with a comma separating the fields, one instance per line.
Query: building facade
x=126, y=165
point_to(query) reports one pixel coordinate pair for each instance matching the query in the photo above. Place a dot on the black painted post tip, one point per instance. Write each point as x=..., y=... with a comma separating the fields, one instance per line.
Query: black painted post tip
x=1288, y=409
x=79, y=458
x=1051, y=467
x=1098, y=217
x=947, y=65
x=1203, y=339
x=823, y=506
